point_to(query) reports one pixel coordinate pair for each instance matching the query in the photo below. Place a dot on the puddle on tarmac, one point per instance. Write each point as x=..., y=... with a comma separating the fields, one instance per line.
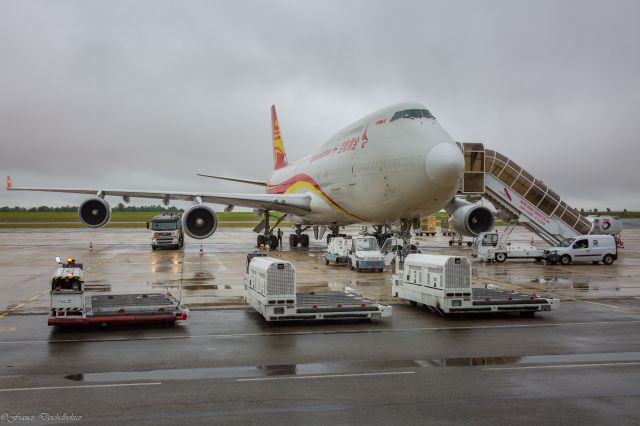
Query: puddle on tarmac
x=347, y=367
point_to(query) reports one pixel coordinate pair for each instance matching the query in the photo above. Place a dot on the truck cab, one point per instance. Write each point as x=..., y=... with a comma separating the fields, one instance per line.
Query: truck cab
x=364, y=254
x=167, y=231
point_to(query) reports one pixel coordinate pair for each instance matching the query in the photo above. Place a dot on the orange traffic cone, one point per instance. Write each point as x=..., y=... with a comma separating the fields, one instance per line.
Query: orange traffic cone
x=90, y=246
x=201, y=250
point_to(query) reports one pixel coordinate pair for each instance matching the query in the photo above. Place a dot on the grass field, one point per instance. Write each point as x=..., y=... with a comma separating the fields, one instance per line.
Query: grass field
x=118, y=220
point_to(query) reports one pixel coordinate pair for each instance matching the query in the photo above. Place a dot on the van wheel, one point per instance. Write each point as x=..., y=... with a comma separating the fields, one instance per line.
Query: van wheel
x=565, y=260
x=607, y=259
x=501, y=257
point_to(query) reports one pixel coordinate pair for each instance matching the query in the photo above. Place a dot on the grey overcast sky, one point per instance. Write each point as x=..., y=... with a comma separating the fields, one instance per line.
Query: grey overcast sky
x=144, y=94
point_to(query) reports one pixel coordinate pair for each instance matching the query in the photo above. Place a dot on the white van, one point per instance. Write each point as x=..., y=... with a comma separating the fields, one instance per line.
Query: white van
x=584, y=248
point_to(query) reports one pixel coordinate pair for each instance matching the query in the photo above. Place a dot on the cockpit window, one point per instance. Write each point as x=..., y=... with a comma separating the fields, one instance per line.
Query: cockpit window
x=426, y=113
x=397, y=115
x=412, y=113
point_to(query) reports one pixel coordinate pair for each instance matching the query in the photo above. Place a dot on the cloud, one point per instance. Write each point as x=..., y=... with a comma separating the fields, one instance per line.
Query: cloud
x=145, y=94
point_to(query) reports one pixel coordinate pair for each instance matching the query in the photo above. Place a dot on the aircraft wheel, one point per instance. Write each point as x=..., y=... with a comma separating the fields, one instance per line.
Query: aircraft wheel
x=273, y=242
x=304, y=240
x=261, y=240
x=293, y=240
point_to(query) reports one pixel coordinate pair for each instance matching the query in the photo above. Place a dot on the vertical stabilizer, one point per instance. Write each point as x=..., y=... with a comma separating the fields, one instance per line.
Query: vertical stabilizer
x=279, y=157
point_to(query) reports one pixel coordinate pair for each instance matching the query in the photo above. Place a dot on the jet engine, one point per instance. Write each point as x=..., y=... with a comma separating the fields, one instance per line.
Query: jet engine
x=94, y=213
x=200, y=222
x=469, y=219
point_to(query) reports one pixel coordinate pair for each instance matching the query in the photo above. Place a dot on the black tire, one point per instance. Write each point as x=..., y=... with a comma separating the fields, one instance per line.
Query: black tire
x=293, y=240
x=154, y=248
x=380, y=269
x=501, y=257
x=528, y=314
x=607, y=259
x=261, y=240
x=273, y=242
x=304, y=240
x=450, y=243
x=413, y=303
x=469, y=243
x=565, y=259
x=552, y=262
x=595, y=262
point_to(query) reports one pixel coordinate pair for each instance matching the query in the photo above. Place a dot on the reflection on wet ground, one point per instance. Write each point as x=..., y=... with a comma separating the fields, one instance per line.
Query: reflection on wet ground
x=351, y=367
x=123, y=262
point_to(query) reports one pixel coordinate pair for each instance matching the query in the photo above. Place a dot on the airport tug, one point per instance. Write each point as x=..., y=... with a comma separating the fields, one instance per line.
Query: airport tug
x=69, y=305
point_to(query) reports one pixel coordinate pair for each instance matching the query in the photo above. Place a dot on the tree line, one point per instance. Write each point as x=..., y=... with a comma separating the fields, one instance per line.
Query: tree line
x=119, y=208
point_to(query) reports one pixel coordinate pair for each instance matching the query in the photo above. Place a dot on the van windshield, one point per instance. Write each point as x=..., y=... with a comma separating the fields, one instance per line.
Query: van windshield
x=368, y=244
x=567, y=242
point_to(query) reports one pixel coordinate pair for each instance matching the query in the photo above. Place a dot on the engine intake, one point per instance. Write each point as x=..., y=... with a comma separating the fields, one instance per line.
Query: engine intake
x=470, y=220
x=200, y=222
x=94, y=213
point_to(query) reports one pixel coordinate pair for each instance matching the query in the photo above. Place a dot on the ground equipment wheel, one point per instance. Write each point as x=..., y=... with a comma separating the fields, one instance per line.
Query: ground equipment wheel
x=607, y=259
x=501, y=257
x=565, y=259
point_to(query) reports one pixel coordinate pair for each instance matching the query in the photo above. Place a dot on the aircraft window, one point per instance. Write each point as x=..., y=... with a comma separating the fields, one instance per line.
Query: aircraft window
x=412, y=113
x=397, y=115
x=426, y=113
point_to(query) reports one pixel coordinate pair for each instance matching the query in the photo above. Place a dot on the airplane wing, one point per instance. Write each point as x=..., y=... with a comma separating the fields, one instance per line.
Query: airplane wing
x=248, y=181
x=285, y=203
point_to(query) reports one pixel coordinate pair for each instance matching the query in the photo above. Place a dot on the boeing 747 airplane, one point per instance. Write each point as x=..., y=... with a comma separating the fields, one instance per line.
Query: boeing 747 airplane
x=394, y=165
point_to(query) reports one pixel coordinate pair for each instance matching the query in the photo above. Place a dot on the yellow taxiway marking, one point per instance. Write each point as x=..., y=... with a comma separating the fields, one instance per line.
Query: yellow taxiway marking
x=7, y=329
x=37, y=296
x=573, y=299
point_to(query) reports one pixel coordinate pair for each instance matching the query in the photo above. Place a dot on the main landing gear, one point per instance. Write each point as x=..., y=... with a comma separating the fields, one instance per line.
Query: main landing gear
x=267, y=238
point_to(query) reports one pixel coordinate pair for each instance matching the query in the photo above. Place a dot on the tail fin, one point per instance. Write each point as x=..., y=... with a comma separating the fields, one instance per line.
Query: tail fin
x=9, y=183
x=279, y=156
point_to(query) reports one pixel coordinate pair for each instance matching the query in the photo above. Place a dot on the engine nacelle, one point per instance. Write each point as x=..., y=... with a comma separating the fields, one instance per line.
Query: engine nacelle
x=200, y=222
x=94, y=213
x=471, y=219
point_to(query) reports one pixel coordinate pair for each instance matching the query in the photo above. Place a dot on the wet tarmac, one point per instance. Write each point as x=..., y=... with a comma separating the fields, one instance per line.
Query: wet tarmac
x=122, y=261
x=225, y=365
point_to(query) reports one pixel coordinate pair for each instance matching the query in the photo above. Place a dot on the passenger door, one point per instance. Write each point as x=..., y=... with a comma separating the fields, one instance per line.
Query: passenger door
x=582, y=252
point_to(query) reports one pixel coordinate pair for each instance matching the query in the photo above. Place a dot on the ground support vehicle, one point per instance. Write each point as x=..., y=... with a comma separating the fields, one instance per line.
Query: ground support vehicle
x=167, y=231
x=364, y=254
x=270, y=288
x=488, y=246
x=338, y=251
x=69, y=305
x=584, y=248
x=443, y=283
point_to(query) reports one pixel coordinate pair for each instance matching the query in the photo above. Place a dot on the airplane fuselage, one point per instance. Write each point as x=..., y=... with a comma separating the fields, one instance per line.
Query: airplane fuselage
x=377, y=170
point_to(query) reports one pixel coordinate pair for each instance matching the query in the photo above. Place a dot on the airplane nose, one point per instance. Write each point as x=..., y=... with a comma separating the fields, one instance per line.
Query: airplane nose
x=444, y=164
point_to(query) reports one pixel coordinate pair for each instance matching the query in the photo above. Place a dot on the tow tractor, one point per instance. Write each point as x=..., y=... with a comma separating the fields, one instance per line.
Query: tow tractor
x=443, y=283
x=70, y=305
x=270, y=288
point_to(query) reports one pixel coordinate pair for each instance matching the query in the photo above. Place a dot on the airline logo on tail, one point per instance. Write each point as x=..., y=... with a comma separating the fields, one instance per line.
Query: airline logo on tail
x=9, y=184
x=279, y=157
